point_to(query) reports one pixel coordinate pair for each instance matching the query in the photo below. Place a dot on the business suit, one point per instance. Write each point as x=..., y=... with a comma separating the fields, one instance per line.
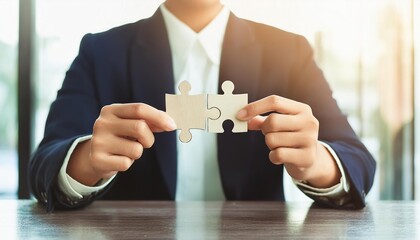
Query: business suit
x=132, y=63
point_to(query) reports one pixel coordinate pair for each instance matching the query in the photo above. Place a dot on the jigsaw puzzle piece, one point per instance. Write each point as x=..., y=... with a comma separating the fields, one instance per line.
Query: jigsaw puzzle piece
x=189, y=111
x=228, y=104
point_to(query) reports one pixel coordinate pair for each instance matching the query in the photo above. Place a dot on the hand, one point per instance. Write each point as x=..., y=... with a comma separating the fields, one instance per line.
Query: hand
x=120, y=134
x=291, y=134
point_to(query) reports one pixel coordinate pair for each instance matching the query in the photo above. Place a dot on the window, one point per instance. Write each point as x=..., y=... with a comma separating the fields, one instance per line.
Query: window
x=58, y=35
x=8, y=96
x=416, y=28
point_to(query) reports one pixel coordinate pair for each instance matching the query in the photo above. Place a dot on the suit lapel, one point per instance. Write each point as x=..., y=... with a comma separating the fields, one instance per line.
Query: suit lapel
x=240, y=63
x=152, y=77
x=241, y=58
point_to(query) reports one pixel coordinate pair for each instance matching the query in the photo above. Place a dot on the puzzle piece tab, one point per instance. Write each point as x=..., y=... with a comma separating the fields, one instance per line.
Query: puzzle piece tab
x=229, y=105
x=189, y=111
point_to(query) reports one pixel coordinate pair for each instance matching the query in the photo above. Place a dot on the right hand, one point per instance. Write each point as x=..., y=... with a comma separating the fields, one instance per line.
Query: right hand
x=120, y=134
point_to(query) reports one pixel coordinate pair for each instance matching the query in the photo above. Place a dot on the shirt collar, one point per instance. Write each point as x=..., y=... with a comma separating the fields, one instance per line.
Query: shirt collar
x=182, y=37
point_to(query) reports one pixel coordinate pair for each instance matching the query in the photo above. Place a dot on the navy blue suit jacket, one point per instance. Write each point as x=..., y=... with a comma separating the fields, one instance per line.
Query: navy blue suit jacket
x=132, y=63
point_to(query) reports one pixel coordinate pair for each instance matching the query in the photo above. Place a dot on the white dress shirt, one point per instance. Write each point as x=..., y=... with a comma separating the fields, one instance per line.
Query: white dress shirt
x=196, y=58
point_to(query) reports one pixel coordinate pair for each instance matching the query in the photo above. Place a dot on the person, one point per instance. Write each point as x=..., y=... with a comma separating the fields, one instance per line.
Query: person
x=107, y=135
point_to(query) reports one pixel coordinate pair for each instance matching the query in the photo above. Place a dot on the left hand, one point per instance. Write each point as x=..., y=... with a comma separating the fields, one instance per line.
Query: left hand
x=291, y=134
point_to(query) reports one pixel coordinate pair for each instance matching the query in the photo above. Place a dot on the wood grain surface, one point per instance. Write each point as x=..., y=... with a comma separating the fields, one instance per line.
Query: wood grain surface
x=26, y=219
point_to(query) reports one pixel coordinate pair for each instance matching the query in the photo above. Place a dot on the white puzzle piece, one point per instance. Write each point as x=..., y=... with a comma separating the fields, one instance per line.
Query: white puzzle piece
x=189, y=111
x=229, y=105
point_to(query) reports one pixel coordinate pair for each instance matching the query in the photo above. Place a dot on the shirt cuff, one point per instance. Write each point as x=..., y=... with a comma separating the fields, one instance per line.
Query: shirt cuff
x=338, y=192
x=72, y=188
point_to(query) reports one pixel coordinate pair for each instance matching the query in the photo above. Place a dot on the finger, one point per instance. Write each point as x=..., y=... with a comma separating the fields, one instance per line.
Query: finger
x=158, y=119
x=294, y=156
x=287, y=139
x=113, y=145
x=135, y=129
x=256, y=123
x=271, y=104
x=128, y=148
x=118, y=163
x=106, y=163
x=276, y=122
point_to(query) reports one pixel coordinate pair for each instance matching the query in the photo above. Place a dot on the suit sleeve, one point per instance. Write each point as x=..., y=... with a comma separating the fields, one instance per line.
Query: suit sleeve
x=309, y=86
x=71, y=115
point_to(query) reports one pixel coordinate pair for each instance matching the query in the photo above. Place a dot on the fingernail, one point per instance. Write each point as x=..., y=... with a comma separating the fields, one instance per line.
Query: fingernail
x=241, y=114
x=171, y=124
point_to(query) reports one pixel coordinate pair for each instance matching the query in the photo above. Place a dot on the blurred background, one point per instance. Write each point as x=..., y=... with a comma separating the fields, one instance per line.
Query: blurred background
x=369, y=51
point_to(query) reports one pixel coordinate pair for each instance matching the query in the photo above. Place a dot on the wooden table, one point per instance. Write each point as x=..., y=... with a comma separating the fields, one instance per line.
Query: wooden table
x=209, y=220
